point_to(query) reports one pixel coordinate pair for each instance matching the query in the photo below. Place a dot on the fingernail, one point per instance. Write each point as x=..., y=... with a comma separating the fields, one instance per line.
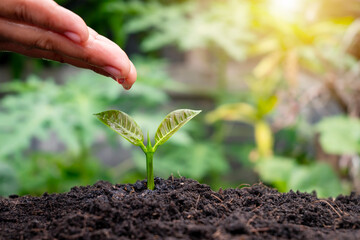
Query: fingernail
x=73, y=36
x=126, y=86
x=112, y=71
x=120, y=80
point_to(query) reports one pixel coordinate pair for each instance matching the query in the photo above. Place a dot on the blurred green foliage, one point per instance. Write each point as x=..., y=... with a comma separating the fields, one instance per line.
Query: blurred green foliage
x=38, y=111
x=45, y=171
x=202, y=159
x=8, y=180
x=195, y=24
x=38, y=106
x=281, y=51
x=263, y=102
x=34, y=111
x=229, y=29
x=286, y=174
x=340, y=135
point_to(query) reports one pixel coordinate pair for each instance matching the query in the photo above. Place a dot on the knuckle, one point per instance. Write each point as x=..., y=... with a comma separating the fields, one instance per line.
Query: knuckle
x=87, y=55
x=21, y=10
x=44, y=43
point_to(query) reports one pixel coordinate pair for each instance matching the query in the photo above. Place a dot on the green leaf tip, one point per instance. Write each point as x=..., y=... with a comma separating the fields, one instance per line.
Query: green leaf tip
x=172, y=123
x=122, y=124
x=148, y=141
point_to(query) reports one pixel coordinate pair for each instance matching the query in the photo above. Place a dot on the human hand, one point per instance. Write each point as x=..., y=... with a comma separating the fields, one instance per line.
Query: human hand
x=43, y=29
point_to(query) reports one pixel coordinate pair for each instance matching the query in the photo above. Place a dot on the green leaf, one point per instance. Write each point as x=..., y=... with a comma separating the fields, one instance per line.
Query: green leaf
x=317, y=176
x=123, y=124
x=286, y=174
x=173, y=122
x=339, y=135
x=276, y=170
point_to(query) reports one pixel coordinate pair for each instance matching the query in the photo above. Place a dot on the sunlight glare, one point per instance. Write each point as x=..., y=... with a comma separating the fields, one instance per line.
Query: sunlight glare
x=285, y=9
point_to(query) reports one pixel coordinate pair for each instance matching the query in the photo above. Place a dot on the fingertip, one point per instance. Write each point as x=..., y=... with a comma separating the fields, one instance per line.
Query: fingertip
x=132, y=74
x=126, y=87
x=130, y=80
x=122, y=61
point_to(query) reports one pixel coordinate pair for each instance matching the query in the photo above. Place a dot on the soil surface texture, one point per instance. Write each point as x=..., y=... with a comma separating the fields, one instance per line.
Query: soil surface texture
x=178, y=209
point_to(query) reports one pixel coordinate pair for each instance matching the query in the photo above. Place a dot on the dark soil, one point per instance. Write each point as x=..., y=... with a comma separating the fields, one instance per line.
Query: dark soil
x=178, y=209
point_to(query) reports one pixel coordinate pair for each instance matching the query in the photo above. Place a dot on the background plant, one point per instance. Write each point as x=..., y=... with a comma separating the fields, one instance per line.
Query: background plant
x=290, y=67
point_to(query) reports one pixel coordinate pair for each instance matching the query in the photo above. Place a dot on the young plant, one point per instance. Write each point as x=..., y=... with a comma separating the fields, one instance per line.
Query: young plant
x=126, y=126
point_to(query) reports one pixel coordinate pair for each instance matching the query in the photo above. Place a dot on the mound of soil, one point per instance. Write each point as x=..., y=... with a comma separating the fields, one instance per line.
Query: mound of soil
x=178, y=209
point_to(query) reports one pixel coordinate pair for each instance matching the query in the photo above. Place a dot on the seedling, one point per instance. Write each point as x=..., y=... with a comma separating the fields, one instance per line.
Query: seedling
x=126, y=126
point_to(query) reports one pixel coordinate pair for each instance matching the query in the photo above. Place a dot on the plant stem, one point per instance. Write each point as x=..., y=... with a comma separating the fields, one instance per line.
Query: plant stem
x=149, y=153
x=150, y=170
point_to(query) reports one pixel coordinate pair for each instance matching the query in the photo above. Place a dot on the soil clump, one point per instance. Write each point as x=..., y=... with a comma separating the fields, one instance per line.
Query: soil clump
x=178, y=208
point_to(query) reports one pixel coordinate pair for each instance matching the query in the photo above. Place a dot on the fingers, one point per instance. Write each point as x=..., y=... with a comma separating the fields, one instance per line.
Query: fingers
x=44, y=29
x=97, y=51
x=131, y=77
x=47, y=15
x=38, y=53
